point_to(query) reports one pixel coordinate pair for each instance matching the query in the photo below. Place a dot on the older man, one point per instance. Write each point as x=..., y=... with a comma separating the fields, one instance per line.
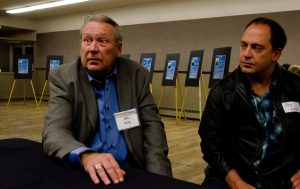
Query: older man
x=101, y=112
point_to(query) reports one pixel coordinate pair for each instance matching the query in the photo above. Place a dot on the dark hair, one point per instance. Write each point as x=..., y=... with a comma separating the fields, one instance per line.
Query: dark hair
x=107, y=20
x=278, y=36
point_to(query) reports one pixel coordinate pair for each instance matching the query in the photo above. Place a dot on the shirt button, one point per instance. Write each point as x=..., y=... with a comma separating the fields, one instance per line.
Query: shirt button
x=108, y=126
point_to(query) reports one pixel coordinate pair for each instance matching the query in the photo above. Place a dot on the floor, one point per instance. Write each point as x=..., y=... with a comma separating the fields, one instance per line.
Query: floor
x=25, y=120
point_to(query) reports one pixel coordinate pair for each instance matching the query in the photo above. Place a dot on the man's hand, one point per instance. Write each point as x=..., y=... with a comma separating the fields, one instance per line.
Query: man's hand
x=103, y=165
x=235, y=182
x=296, y=180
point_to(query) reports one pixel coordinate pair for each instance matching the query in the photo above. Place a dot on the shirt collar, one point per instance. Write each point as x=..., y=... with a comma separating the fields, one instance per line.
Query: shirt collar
x=113, y=73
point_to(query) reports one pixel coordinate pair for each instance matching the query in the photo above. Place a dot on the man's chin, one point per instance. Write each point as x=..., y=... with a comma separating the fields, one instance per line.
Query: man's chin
x=247, y=70
x=96, y=72
x=92, y=69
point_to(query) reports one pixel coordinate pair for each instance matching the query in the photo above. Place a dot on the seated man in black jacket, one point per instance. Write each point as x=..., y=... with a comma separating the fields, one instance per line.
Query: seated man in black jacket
x=251, y=123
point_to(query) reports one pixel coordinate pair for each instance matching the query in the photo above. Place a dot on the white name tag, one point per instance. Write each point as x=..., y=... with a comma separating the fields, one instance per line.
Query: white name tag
x=291, y=107
x=127, y=119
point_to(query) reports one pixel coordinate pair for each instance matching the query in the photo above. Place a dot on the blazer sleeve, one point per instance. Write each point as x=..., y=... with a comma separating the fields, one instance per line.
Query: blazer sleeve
x=155, y=147
x=57, y=137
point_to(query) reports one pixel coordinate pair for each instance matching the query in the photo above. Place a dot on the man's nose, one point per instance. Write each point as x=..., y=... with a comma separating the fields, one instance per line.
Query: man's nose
x=246, y=52
x=94, y=46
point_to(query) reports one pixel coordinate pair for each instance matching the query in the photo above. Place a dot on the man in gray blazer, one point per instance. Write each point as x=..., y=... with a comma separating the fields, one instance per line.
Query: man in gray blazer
x=101, y=112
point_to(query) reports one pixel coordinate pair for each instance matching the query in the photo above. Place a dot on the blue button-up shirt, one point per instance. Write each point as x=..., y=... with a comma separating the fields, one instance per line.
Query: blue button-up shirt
x=107, y=138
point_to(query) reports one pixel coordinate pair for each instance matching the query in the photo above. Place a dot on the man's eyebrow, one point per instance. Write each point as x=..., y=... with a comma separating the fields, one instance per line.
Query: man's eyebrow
x=243, y=43
x=256, y=44
x=252, y=44
x=87, y=34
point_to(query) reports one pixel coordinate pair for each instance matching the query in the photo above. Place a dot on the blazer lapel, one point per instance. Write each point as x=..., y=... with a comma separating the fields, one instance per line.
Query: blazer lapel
x=124, y=94
x=123, y=89
x=89, y=97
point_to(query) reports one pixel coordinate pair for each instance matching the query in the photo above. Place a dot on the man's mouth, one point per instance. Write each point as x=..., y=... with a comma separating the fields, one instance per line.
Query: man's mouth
x=247, y=63
x=94, y=60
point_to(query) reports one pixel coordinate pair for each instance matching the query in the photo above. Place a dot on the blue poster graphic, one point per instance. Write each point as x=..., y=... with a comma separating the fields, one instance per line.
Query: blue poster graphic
x=146, y=62
x=23, y=66
x=54, y=64
x=219, y=66
x=171, y=70
x=194, y=67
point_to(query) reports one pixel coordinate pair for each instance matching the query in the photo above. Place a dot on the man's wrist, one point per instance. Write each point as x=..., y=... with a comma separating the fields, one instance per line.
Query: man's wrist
x=74, y=156
x=232, y=178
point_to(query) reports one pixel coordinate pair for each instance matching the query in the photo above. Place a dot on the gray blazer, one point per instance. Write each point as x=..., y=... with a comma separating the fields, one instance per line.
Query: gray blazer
x=72, y=116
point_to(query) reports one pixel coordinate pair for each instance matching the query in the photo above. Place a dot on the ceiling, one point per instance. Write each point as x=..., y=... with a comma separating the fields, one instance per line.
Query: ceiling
x=89, y=6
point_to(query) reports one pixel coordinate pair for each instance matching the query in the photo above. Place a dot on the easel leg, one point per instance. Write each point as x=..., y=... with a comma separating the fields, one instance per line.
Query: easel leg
x=24, y=91
x=151, y=88
x=181, y=98
x=11, y=92
x=34, y=93
x=160, y=98
x=183, y=104
x=176, y=104
x=43, y=92
x=201, y=84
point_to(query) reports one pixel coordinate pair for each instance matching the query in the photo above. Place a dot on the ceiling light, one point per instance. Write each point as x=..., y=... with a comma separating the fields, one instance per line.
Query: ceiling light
x=44, y=6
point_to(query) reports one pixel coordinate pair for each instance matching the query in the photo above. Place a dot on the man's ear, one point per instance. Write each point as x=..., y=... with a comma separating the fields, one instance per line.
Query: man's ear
x=119, y=48
x=276, y=54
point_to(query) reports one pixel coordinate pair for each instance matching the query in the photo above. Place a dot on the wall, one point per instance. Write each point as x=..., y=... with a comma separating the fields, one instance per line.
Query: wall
x=4, y=51
x=177, y=37
x=171, y=10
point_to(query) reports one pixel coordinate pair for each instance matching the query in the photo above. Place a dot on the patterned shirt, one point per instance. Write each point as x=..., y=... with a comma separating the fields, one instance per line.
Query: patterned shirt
x=265, y=114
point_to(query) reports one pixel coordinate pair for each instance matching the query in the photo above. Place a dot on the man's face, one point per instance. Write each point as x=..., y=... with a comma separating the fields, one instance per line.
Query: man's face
x=256, y=53
x=99, y=48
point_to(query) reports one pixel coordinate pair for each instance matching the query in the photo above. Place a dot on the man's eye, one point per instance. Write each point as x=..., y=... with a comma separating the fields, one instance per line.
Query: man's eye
x=243, y=46
x=257, y=48
x=87, y=40
x=103, y=42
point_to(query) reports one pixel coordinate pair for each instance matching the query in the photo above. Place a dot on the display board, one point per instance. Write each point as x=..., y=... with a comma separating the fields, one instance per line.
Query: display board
x=23, y=67
x=170, y=70
x=53, y=62
x=220, y=64
x=194, y=68
x=148, y=61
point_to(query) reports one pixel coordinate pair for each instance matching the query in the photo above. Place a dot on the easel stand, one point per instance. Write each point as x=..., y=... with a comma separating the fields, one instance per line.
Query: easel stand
x=45, y=84
x=177, y=90
x=201, y=87
x=24, y=91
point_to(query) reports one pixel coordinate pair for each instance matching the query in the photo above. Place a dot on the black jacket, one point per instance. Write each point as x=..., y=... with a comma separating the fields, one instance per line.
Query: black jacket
x=232, y=136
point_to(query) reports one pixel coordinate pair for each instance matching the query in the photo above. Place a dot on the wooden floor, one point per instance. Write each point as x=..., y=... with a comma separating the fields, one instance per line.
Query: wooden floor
x=26, y=121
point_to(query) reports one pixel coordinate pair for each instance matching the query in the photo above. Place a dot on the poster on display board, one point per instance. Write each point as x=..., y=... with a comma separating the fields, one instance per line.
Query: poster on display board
x=148, y=61
x=194, y=68
x=170, y=70
x=23, y=67
x=220, y=64
x=53, y=62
